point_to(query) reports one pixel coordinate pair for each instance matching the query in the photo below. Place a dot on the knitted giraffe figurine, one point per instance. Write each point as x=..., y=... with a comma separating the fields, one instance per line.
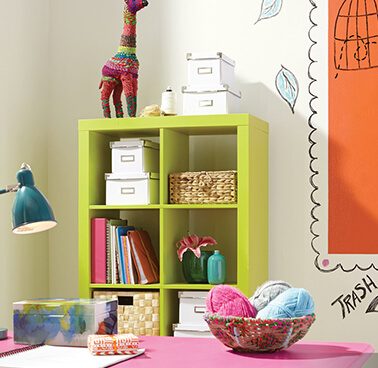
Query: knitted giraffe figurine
x=121, y=71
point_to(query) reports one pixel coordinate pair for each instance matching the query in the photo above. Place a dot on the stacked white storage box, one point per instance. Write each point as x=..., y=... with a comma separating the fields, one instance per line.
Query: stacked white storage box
x=134, y=179
x=211, y=81
x=191, y=312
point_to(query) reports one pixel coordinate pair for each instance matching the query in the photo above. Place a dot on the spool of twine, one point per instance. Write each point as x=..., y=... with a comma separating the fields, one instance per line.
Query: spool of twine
x=168, y=102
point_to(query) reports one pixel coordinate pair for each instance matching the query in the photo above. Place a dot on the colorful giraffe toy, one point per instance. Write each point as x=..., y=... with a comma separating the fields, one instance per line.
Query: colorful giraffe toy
x=121, y=71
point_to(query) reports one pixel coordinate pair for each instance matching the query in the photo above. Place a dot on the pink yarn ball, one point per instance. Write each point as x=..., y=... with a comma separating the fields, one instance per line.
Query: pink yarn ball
x=227, y=301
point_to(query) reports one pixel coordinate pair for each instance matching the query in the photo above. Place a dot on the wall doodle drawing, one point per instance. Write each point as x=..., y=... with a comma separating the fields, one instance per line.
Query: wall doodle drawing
x=287, y=86
x=269, y=9
x=356, y=35
x=350, y=302
x=286, y=82
x=373, y=306
x=343, y=134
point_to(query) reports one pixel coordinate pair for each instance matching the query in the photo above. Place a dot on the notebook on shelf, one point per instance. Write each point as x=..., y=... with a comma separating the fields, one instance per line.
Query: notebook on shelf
x=98, y=253
x=131, y=275
x=144, y=257
x=121, y=234
x=47, y=356
x=114, y=256
x=103, y=254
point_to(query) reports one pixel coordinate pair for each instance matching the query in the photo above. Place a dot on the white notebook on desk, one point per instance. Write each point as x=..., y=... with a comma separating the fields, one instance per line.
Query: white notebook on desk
x=60, y=357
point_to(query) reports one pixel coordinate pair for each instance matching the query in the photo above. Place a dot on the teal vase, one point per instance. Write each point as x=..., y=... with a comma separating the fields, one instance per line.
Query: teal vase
x=216, y=269
x=195, y=269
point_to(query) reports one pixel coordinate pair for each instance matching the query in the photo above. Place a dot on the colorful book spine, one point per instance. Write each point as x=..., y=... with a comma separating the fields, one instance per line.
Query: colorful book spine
x=130, y=265
x=121, y=233
x=114, y=256
x=108, y=255
x=98, y=250
x=125, y=257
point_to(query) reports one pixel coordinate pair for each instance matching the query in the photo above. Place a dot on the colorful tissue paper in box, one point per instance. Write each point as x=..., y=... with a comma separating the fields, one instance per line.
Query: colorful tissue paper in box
x=113, y=344
x=66, y=322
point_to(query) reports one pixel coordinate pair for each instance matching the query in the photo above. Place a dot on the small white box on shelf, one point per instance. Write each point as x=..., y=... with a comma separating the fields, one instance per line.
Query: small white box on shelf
x=180, y=330
x=210, y=69
x=135, y=155
x=212, y=100
x=192, y=307
x=132, y=188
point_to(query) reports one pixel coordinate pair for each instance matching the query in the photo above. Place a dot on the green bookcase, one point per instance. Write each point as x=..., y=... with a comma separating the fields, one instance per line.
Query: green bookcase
x=187, y=143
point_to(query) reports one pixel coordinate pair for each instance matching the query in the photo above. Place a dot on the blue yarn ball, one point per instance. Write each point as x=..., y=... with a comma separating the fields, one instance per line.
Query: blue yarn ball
x=291, y=303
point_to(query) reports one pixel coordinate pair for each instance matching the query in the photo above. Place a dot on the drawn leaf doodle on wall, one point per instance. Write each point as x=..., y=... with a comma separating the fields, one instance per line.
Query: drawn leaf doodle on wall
x=269, y=9
x=287, y=86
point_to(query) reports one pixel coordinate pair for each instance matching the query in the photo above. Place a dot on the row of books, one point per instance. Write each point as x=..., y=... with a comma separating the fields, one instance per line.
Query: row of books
x=121, y=254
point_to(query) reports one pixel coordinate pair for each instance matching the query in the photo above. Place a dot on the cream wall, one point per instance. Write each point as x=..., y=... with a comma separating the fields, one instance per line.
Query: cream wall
x=24, y=106
x=83, y=34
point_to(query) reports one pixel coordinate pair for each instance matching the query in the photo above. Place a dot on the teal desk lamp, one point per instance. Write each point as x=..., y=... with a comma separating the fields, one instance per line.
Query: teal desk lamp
x=31, y=211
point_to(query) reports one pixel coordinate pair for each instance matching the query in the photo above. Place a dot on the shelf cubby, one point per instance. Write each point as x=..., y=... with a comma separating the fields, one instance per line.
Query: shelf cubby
x=187, y=143
x=221, y=224
x=191, y=150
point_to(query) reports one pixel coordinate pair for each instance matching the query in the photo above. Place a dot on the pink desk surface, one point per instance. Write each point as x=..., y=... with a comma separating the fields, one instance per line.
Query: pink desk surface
x=209, y=353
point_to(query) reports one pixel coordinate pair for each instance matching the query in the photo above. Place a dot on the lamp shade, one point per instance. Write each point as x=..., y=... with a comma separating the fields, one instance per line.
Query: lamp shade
x=31, y=212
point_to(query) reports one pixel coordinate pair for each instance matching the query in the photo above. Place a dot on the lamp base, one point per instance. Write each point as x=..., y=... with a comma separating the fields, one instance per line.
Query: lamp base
x=3, y=333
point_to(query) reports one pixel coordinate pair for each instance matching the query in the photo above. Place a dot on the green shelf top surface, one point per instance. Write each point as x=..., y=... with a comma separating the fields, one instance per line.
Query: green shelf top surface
x=132, y=207
x=199, y=206
x=197, y=124
x=165, y=206
x=156, y=286
x=124, y=286
x=191, y=286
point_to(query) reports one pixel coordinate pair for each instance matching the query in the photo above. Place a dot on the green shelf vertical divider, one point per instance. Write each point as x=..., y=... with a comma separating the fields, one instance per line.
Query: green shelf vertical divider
x=243, y=223
x=258, y=202
x=174, y=157
x=83, y=216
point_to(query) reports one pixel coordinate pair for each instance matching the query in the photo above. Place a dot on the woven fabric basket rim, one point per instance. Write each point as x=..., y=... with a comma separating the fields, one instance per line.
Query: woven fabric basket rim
x=253, y=329
x=258, y=320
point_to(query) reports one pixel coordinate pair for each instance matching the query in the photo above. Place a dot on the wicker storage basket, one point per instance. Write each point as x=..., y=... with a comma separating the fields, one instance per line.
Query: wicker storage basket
x=258, y=335
x=203, y=187
x=138, y=312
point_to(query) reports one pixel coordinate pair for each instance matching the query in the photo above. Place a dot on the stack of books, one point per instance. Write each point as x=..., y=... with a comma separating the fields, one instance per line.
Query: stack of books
x=121, y=254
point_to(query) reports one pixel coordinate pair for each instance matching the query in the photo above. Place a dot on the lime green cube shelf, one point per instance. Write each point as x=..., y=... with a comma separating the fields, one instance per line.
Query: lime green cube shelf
x=187, y=143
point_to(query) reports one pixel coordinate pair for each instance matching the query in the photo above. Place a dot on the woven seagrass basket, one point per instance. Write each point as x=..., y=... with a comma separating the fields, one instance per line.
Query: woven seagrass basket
x=257, y=335
x=138, y=312
x=203, y=187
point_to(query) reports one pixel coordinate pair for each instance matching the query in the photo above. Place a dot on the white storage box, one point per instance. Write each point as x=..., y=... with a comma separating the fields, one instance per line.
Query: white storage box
x=135, y=155
x=210, y=69
x=221, y=100
x=180, y=330
x=192, y=307
x=132, y=188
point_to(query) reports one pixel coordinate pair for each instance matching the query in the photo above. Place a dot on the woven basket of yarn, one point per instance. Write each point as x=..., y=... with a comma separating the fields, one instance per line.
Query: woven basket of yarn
x=258, y=335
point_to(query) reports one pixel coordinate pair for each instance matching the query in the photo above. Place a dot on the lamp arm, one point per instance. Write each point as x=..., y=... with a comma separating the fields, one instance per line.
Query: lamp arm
x=9, y=188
